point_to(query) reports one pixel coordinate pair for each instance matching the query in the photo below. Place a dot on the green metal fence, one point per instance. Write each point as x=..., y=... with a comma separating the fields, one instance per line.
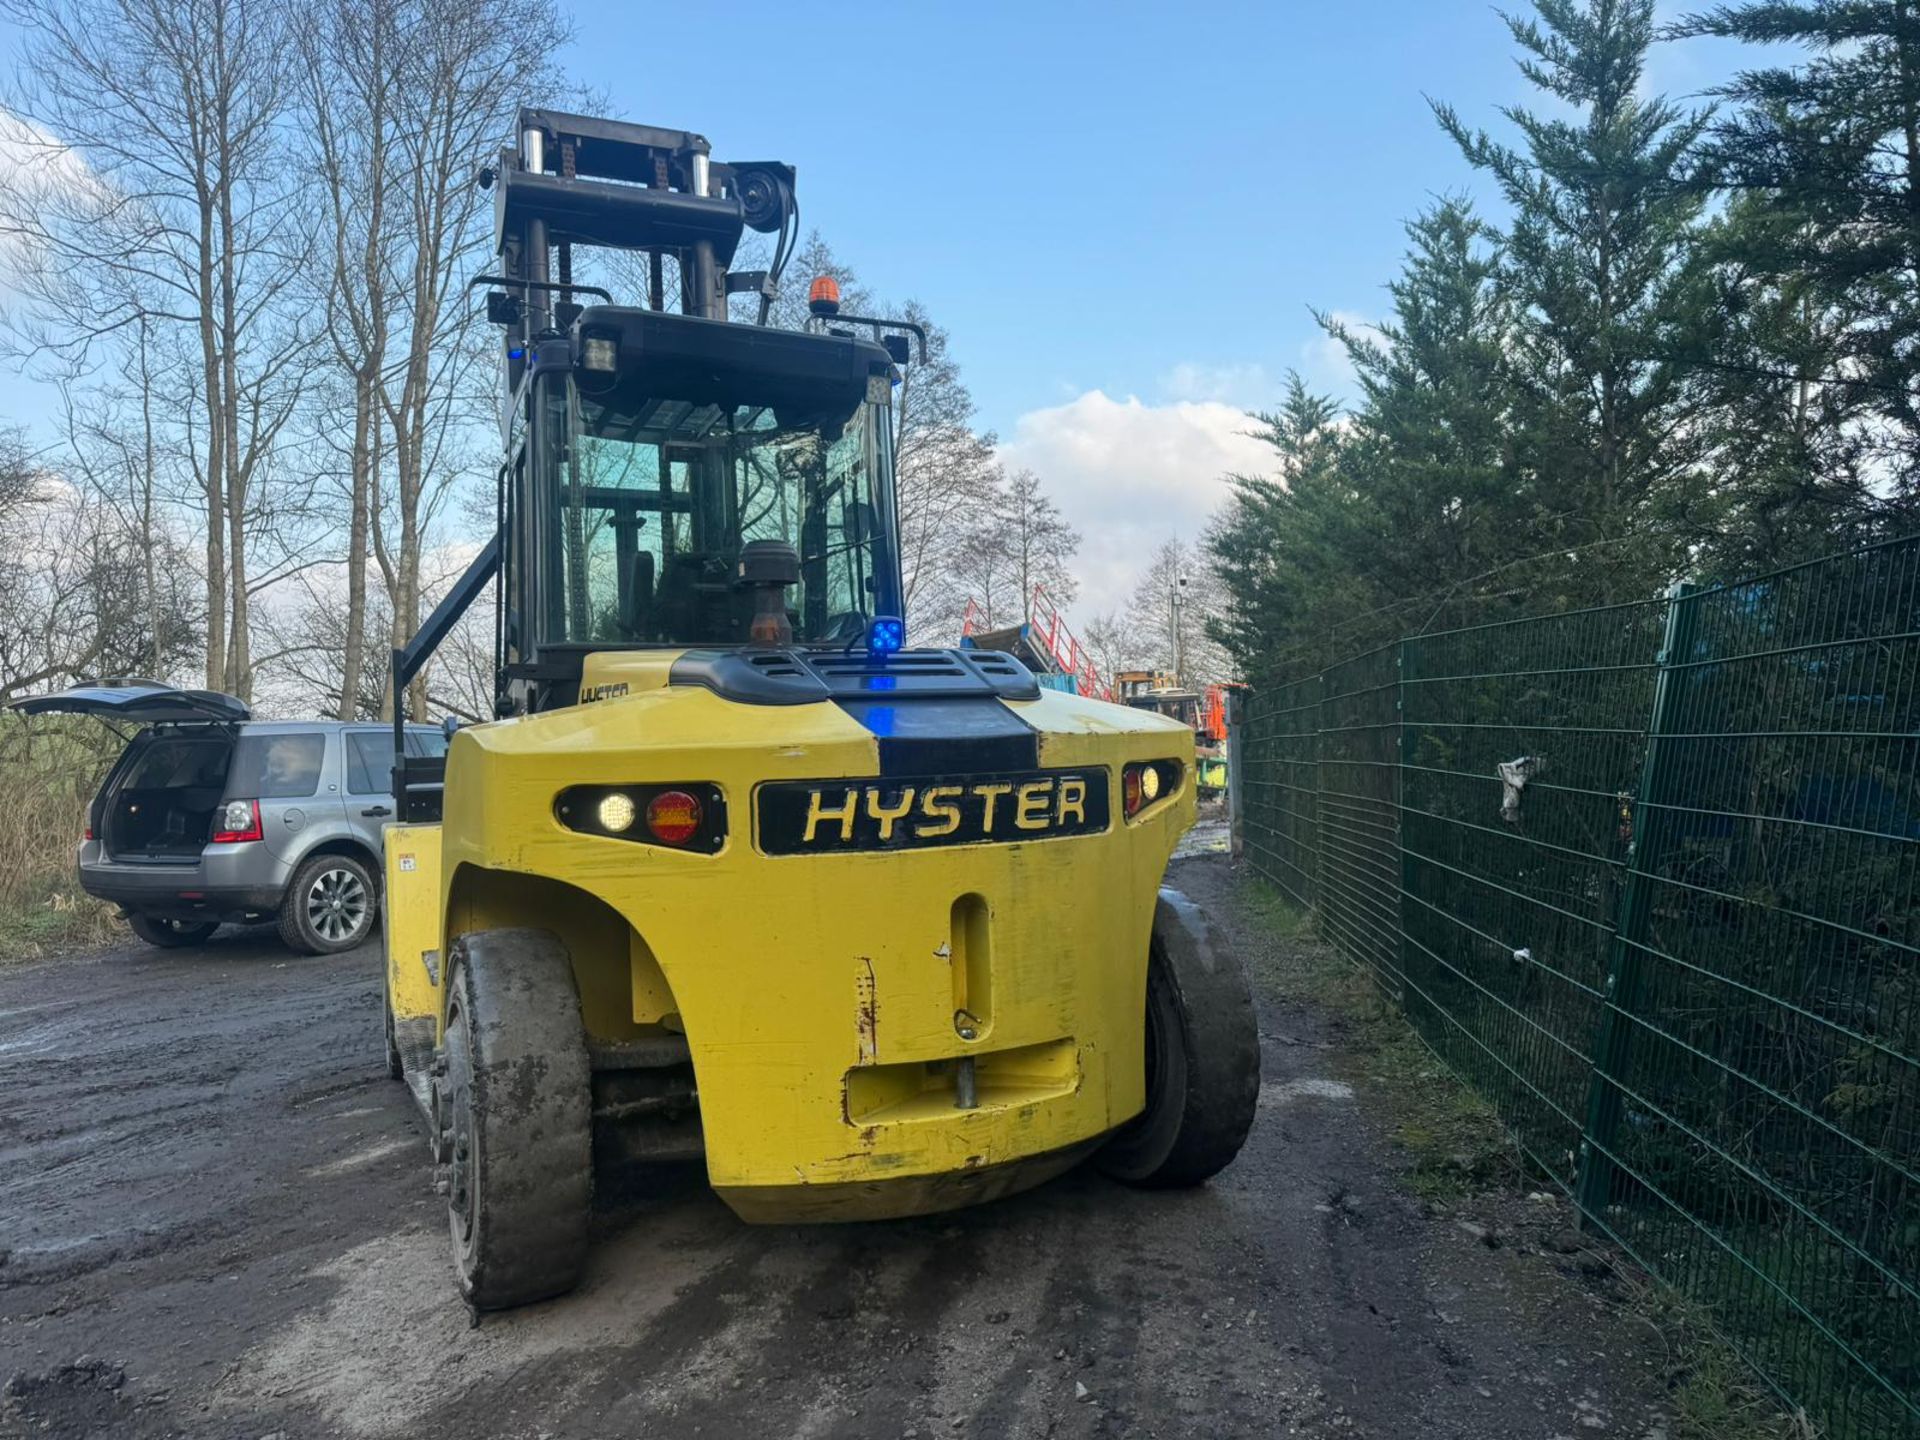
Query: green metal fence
x=1648, y=876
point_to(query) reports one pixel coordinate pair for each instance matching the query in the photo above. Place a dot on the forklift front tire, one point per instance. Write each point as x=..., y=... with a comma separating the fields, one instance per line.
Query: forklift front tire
x=517, y=1105
x=1203, y=1059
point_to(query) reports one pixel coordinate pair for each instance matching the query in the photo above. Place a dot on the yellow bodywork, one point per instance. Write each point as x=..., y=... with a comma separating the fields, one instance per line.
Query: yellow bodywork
x=824, y=997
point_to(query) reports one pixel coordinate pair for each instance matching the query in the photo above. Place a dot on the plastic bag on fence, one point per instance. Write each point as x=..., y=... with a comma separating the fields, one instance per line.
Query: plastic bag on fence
x=1514, y=775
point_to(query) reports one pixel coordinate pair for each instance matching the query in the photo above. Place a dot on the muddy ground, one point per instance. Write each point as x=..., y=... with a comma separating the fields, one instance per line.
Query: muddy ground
x=217, y=1219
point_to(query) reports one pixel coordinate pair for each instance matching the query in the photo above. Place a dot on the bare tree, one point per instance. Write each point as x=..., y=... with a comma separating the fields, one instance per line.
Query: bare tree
x=155, y=192
x=1014, y=540
x=346, y=52
x=404, y=102
x=467, y=63
x=1039, y=541
x=945, y=478
x=1168, y=613
x=1113, y=642
x=71, y=572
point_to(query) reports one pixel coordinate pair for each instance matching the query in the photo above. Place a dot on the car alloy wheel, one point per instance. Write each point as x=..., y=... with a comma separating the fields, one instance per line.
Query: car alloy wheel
x=337, y=905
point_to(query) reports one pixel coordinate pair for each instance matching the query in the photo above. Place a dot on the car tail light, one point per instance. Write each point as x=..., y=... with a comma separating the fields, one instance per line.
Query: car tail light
x=236, y=821
x=681, y=817
x=1148, y=784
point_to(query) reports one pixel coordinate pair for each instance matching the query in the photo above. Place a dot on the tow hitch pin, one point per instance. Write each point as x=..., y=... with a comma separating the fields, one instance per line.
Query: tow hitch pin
x=964, y=1095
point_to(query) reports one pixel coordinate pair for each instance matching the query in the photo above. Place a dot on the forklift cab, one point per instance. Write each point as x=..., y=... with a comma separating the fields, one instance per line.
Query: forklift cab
x=653, y=449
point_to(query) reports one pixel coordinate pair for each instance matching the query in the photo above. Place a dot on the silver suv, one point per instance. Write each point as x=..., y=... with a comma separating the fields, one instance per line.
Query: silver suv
x=211, y=816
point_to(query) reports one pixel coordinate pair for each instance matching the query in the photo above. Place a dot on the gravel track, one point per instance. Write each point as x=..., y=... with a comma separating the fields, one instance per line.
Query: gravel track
x=217, y=1219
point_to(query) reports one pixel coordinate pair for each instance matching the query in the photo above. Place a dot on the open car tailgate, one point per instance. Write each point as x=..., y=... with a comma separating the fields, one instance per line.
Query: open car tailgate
x=145, y=702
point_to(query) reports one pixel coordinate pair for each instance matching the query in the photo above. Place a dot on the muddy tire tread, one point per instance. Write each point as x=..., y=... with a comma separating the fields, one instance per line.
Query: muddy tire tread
x=531, y=1101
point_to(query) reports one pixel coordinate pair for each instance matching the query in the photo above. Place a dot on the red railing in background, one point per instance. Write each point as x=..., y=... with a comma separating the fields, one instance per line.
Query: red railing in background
x=1048, y=629
x=1047, y=632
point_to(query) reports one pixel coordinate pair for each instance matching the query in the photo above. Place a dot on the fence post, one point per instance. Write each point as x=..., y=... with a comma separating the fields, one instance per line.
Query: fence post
x=1625, y=960
x=1236, y=757
x=1319, y=807
x=1403, y=751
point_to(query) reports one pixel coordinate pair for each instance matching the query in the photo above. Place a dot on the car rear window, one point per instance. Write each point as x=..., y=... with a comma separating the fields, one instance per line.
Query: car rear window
x=179, y=762
x=276, y=767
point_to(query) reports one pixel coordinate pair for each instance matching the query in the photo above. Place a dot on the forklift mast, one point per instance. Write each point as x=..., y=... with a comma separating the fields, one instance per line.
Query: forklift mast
x=574, y=180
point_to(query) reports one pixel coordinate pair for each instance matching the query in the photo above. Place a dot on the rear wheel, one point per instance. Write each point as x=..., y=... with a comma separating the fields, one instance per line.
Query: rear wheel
x=172, y=934
x=329, y=906
x=396, y=1066
x=514, y=1106
x=1203, y=1059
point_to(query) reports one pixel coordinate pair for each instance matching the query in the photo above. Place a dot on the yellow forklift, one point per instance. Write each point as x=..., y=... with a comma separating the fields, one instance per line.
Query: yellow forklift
x=735, y=873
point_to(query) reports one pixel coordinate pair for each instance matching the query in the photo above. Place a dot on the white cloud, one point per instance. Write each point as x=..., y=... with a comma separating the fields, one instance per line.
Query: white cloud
x=1129, y=475
x=1245, y=385
x=1323, y=360
x=36, y=169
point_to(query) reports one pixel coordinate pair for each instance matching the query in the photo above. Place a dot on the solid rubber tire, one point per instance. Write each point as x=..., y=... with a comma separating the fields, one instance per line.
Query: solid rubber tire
x=296, y=933
x=1204, y=1085
x=396, y=1066
x=514, y=1028
x=171, y=934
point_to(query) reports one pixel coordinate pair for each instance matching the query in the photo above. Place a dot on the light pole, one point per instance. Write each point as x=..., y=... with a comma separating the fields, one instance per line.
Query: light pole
x=1176, y=601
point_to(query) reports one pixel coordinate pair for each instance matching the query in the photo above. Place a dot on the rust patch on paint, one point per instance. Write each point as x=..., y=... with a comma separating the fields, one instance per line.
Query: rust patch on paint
x=866, y=1012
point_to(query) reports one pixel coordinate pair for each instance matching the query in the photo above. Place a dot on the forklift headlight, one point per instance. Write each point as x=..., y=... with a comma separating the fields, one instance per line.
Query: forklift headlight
x=599, y=352
x=679, y=816
x=616, y=812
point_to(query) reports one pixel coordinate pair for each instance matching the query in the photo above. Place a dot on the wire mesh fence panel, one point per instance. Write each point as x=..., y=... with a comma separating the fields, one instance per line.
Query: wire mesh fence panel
x=1358, y=812
x=1276, y=750
x=1522, y=741
x=1761, y=1133
x=1648, y=876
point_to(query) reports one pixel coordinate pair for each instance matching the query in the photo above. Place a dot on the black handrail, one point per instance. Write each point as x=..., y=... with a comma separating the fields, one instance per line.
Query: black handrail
x=410, y=659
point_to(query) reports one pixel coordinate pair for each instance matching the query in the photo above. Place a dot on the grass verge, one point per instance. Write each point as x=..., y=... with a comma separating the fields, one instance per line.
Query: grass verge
x=50, y=768
x=1455, y=1142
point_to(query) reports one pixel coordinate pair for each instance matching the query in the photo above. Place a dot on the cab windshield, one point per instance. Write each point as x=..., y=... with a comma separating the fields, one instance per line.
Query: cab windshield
x=657, y=497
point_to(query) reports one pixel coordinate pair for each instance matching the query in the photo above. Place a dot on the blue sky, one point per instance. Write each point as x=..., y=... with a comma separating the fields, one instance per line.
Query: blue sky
x=1143, y=199
x=1122, y=212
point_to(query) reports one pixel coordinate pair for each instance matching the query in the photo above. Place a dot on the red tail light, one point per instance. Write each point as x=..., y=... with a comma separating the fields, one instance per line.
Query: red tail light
x=236, y=821
x=674, y=817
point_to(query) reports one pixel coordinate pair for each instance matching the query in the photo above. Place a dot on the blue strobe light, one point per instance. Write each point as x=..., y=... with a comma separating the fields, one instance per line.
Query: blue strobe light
x=885, y=635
